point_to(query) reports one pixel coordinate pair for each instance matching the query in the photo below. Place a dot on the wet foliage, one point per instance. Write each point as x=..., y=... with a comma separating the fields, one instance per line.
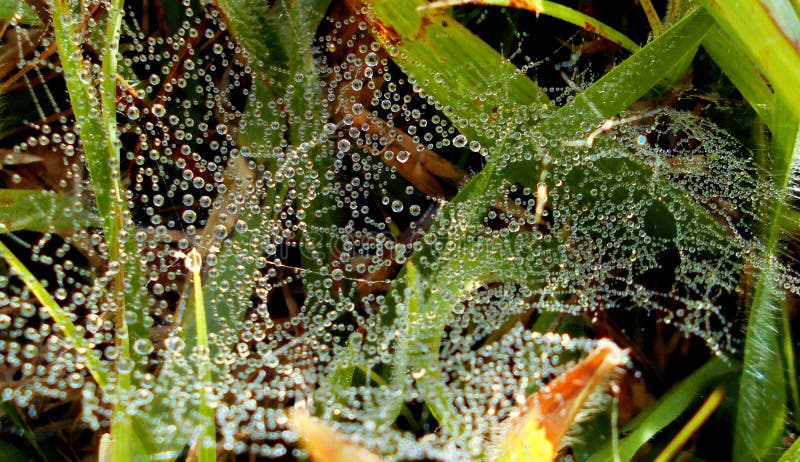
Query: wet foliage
x=442, y=233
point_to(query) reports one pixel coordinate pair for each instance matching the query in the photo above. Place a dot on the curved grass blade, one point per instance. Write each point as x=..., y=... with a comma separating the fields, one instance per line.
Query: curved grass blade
x=769, y=33
x=671, y=406
x=762, y=394
x=61, y=317
x=709, y=406
x=553, y=9
x=206, y=441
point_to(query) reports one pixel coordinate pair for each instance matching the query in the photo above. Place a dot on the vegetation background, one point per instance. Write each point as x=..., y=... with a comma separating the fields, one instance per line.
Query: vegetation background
x=121, y=312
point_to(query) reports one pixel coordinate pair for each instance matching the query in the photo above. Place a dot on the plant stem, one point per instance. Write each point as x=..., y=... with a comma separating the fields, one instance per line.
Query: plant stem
x=206, y=441
x=709, y=406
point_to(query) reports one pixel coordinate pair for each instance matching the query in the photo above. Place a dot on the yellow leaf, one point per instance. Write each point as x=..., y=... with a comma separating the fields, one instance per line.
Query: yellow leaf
x=323, y=443
x=537, y=433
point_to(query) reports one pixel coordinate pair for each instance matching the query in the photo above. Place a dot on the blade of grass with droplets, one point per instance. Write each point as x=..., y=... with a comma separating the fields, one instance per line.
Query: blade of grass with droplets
x=769, y=32
x=207, y=451
x=100, y=141
x=792, y=454
x=553, y=9
x=762, y=394
x=43, y=211
x=769, y=339
x=61, y=317
x=20, y=10
x=666, y=410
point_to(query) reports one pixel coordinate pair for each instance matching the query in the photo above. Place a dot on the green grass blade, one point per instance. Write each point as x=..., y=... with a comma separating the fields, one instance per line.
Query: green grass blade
x=61, y=317
x=450, y=63
x=792, y=454
x=671, y=406
x=741, y=71
x=43, y=211
x=762, y=395
x=770, y=36
x=19, y=9
x=92, y=131
x=206, y=441
x=553, y=9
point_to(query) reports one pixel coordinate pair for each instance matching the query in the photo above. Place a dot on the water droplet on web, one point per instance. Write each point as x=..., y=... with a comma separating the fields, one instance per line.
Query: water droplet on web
x=460, y=141
x=143, y=346
x=132, y=112
x=159, y=110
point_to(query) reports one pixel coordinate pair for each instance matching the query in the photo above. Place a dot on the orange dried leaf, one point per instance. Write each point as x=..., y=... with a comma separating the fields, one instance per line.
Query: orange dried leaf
x=323, y=443
x=537, y=433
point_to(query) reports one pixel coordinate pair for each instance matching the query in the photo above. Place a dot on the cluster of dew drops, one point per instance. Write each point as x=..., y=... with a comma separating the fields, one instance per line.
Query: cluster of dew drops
x=304, y=220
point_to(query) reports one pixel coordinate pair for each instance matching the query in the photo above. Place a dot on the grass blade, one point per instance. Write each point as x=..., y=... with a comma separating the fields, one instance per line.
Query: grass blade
x=553, y=9
x=709, y=406
x=762, y=394
x=770, y=37
x=61, y=317
x=792, y=454
x=20, y=10
x=43, y=211
x=671, y=406
x=206, y=441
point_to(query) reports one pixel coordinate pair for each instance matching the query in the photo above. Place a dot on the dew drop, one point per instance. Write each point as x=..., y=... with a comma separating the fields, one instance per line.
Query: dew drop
x=460, y=141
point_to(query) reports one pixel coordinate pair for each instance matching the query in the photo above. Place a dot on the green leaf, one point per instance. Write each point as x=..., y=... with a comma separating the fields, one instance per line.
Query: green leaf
x=742, y=72
x=20, y=9
x=43, y=211
x=62, y=318
x=792, y=454
x=762, y=395
x=672, y=405
x=769, y=32
x=10, y=453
